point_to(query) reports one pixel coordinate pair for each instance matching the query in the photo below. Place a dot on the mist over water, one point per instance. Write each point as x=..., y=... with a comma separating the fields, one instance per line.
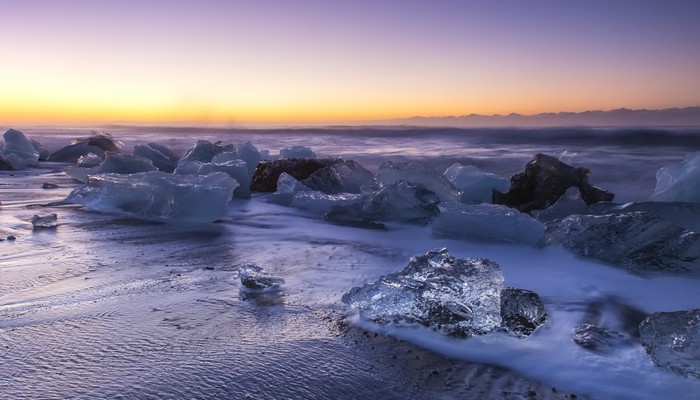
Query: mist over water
x=106, y=306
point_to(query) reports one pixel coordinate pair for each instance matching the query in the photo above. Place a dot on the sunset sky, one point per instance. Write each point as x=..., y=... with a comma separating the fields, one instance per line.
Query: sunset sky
x=296, y=61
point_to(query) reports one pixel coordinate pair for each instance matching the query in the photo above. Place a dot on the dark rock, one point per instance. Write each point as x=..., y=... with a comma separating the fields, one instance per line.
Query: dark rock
x=597, y=339
x=673, y=340
x=522, y=311
x=638, y=241
x=267, y=172
x=11, y=237
x=544, y=180
x=48, y=185
x=6, y=164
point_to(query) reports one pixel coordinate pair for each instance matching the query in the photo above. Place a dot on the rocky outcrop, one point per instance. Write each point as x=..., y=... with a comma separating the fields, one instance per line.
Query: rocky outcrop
x=544, y=181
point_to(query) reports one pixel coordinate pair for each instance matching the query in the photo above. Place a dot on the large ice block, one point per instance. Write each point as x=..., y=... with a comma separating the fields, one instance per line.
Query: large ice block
x=475, y=184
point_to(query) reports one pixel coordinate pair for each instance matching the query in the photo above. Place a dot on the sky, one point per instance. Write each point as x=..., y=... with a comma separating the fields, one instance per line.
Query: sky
x=237, y=62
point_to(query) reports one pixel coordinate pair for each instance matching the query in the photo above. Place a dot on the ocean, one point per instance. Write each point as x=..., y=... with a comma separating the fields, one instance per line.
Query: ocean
x=107, y=306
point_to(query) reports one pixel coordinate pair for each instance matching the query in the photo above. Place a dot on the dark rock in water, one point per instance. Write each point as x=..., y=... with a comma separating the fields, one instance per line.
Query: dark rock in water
x=452, y=295
x=351, y=215
x=544, y=181
x=11, y=237
x=49, y=185
x=522, y=311
x=597, y=339
x=341, y=177
x=267, y=172
x=6, y=164
x=162, y=157
x=97, y=144
x=255, y=278
x=402, y=201
x=638, y=241
x=673, y=340
x=607, y=324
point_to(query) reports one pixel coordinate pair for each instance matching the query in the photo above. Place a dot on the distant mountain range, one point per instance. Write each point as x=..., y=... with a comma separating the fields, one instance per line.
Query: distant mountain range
x=623, y=117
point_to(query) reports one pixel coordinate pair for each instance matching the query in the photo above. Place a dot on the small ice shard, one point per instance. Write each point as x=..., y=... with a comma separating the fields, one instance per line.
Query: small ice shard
x=679, y=182
x=297, y=152
x=205, y=150
x=569, y=203
x=341, y=177
x=544, y=181
x=49, y=185
x=638, y=241
x=673, y=340
x=487, y=222
x=319, y=202
x=45, y=221
x=235, y=168
x=286, y=187
x=250, y=154
x=44, y=153
x=267, y=173
x=256, y=279
x=6, y=164
x=19, y=149
x=475, y=185
x=402, y=201
x=418, y=173
x=113, y=163
x=157, y=195
x=454, y=296
x=522, y=311
x=161, y=157
x=97, y=144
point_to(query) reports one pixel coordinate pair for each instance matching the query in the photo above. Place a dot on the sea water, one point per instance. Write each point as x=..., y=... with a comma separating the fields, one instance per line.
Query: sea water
x=103, y=306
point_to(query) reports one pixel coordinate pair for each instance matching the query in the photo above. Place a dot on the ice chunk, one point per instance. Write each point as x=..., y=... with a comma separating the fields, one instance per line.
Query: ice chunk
x=402, y=201
x=608, y=324
x=488, y=222
x=673, y=340
x=597, y=339
x=44, y=153
x=157, y=195
x=544, y=180
x=455, y=296
x=19, y=149
x=89, y=160
x=224, y=157
x=685, y=215
x=45, y=221
x=267, y=173
x=113, y=163
x=418, y=173
x=251, y=155
x=679, y=182
x=297, y=152
x=638, y=241
x=319, y=202
x=235, y=168
x=475, y=184
x=205, y=150
x=286, y=187
x=341, y=177
x=256, y=279
x=522, y=311
x=97, y=144
x=569, y=203
x=161, y=157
